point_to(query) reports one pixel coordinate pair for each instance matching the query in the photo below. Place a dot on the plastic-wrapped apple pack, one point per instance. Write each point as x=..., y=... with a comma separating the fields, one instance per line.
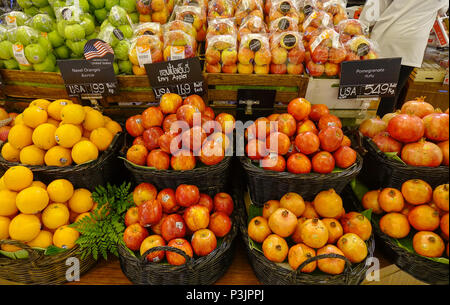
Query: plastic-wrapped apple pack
x=178, y=45
x=193, y=15
x=254, y=54
x=315, y=20
x=335, y=8
x=283, y=24
x=280, y=8
x=221, y=26
x=153, y=10
x=148, y=28
x=246, y=8
x=35, y=7
x=7, y=59
x=350, y=28
x=14, y=19
x=221, y=54
x=145, y=49
x=361, y=48
x=288, y=53
x=203, y=4
x=221, y=8
x=252, y=24
x=179, y=25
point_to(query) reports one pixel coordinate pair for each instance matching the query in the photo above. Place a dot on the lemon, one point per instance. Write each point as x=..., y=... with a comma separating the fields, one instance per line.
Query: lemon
x=32, y=200
x=24, y=227
x=73, y=114
x=84, y=151
x=8, y=203
x=54, y=109
x=60, y=190
x=94, y=119
x=42, y=103
x=67, y=135
x=102, y=138
x=58, y=156
x=18, y=178
x=55, y=215
x=20, y=136
x=43, y=240
x=19, y=120
x=34, y=116
x=10, y=153
x=81, y=201
x=44, y=136
x=65, y=237
x=4, y=227
x=113, y=127
x=32, y=155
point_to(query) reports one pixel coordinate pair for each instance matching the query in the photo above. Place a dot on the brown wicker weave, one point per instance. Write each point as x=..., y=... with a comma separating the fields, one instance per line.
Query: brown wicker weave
x=40, y=269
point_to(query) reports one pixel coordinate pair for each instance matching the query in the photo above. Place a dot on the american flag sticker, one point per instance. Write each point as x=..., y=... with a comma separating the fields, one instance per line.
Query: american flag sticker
x=97, y=48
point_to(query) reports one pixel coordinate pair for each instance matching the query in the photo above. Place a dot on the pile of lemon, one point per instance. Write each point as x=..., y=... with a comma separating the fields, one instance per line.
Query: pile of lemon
x=39, y=215
x=58, y=133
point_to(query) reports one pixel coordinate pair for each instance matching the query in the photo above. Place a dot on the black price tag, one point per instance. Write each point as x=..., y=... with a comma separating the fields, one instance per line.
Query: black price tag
x=91, y=78
x=183, y=77
x=369, y=78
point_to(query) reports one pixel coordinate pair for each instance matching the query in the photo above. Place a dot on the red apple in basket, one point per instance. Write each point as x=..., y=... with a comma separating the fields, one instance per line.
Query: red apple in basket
x=170, y=102
x=158, y=159
x=182, y=244
x=134, y=125
x=137, y=154
x=223, y=203
x=131, y=216
x=187, y=195
x=134, y=235
x=206, y=201
x=196, y=217
x=150, y=213
x=151, y=137
x=168, y=201
x=144, y=192
x=183, y=160
x=220, y=224
x=153, y=241
x=168, y=121
x=173, y=227
x=204, y=242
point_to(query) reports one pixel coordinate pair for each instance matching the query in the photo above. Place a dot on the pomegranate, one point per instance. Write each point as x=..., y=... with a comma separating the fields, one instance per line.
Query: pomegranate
x=354, y=248
x=298, y=254
x=314, y=233
x=354, y=222
x=331, y=265
x=334, y=228
x=440, y=196
x=275, y=248
x=370, y=201
x=436, y=126
x=258, y=229
x=395, y=225
x=391, y=200
x=406, y=128
x=372, y=127
x=270, y=207
x=428, y=244
x=386, y=143
x=416, y=191
x=283, y=222
x=388, y=116
x=296, y=237
x=417, y=107
x=444, y=148
x=422, y=153
x=424, y=218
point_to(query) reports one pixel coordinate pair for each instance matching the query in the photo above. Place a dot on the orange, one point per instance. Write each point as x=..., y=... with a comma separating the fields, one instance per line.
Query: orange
x=81, y=201
x=54, y=109
x=43, y=240
x=106, y=119
x=60, y=190
x=138, y=70
x=32, y=155
x=65, y=237
x=87, y=109
x=39, y=184
x=20, y=136
x=102, y=138
x=113, y=127
x=8, y=203
x=67, y=135
x=10, y=153
x=17, y=178
x=2, y=184
x=55, y=216
x=32, y=200
x=34, y=116
x=94, y=119
x=84, y=151
x=4, y=227
x=58, y=156
x=44, y=136
x=24, y=227
x=42, y=103
x=73, y=114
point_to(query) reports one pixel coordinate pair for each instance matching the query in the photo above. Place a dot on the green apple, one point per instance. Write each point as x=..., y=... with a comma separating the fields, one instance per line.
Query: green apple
x=88, y=25
x=48, y=65
x=52, y=57
x=24, y=3
x=87, y=16
x=84, y=5
x=121, y=50
x=128, y=5
x=134, y=17
x=26, y=67
x=74, y=32
x=77, y=47
x=45, y=43
x=92, y=36
x=116, y=68
x=31, y=11
x=60, y=26
x=35, y=53
x=97, y=4
x=43, y=23
x=40, y=3
x=110, y=3
x=47, y=10
x=11, y=64
x=101, y=14
x=55, y=39
x=62, y=52
x=26, y=35
x=127, y=31
x=125, y=67
x=118, y=16
x=6, y=49
x=104, y=24
x=11, y=34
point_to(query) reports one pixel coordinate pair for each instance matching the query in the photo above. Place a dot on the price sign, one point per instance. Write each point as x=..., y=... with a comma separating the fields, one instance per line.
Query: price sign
x=91, y=78
x=369, y=78
x=183, y=77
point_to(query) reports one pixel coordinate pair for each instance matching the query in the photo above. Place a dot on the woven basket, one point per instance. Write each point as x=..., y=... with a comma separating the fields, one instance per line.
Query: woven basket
x=418, y=266
x=265, y=185
x=40, y=269
x=107, y=168
x=379, y=171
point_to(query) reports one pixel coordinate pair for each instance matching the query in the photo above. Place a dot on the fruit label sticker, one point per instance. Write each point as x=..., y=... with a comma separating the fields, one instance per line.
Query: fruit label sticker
x=144, y=56
x=363, y=49
x=289, y=40
x=66, y=13
x=254, y=45
x=179, y=225
x=284, y=24
x=310, y=18
x=285, y=7
x=118, y=33
x=11, y=21
x=307, y=10
x=149, y=32
x=19, y=55
x=176, y=52
x=189, y=18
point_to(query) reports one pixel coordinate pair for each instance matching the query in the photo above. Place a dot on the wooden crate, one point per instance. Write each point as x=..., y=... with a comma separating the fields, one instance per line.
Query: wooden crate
x=429, y=72
x=436, y=93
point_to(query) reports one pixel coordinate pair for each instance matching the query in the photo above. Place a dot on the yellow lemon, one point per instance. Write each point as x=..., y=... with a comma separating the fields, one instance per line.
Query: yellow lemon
x=20, y=136
x=73, y=114
x=84, y=151
x=8, y=203
x=102, y=138
x=81, y=201
x=65, y=237
x=54, y=109
x=58, y=156
x=24, y=227
x=67, y=135
x=43, y=240
x=39, y=184
x=10, y=153
x=60, y=190
x=42, y=103
x=32, y=155
x=93, y=120
x=44, y=136
x=19, y=120
x=55, y=215
x=34, y=116
x=106, y=119
x=4, y=227
x=113, y=127
x=18, y=178
x=32, y=200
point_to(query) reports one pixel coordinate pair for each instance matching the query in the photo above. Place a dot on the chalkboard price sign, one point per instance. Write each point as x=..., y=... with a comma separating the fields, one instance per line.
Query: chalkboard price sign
x=369, y=78
x=183, y=77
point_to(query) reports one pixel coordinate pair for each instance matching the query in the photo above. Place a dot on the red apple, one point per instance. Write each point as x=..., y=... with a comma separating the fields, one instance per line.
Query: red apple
x=186, y=113
x=151, y=137
x=168, y=201
x=211, y=126
x=174, y=258
x=287, y=124
x=151, y=117
x=187, y=195
x=226, y=121
x=212, y=153
x=150, y=213
x=173, y=227
x=223, y=203
x=274, y=162
x=206, y=201
x=134, y=125
x=204, y=242
x=196, y=101
x=193, y=138
x=153, y=241
x=183, y=160
x=4, y=132
x=278, y=142
x=144, y=192
x=137, y=154
x=220, y=224
x=170, y=102
x=209, y=112
x=168, y=121
x=139, y=141
x=196, y=217
x=158, y=159
x=131, y=216
x=134, y=235
x=169, y=142
x=157, y=227
x=256, y=149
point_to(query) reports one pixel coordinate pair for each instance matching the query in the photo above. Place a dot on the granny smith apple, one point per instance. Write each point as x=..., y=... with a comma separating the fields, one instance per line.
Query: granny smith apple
x=84, y=5
x=127, y=31
x=48, y=65
x=134, y=17
x=6, y=49
x=118, y=16
x=35, y=53
x=92, y=36
x=97, y=4
x=47, y=10
x=26, y=35
x=110, y=3
x=31, y=11
x=77, y=47
x=101, y=14
x=24, y=3
x=11, y=64
x=74, y=32
x=55, y=39
x=45, y=43
x=125, y=67
x=116, y=68
x=62, y=52
x=60, y=26
x=26, y=67
x=43, y=23
x=52, y=57
x=128, y=5
x=104, y=24
x=88, y=25
x=40, y=3
x=121, y=50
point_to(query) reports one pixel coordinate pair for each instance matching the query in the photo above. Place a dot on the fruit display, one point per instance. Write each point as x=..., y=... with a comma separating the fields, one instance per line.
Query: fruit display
x=154, y=10
x=416, y=213
x=221, y=26
x=182, y=218
x=417, y=133
x=58, y=133
x=245, y=8
x=293, y=230
x=193, y=15
x=305, y=139
x=145, y=49
x=40, y=215
x=221, y=54
x=254, y=54
x=288, y=53
x=252, y=24
x=178, y=134
x=178, y=45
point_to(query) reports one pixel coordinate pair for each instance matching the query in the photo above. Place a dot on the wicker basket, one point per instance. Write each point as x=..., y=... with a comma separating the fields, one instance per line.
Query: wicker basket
x=40, y=269
x=266, y=185
x=379, y=171
x=418, y=266
x=107, y=168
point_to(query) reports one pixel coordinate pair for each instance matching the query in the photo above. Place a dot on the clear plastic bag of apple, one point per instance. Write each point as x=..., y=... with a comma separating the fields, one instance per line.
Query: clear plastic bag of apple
x=192, y=14
x=148, y=28
x=288, y=53
x=179, y=25
x=178, y=45
x=35, y=7
x=254, y=54
x=42, y=23
x=14, y=19
x=350, y=28
x=118, y=41
x=145, y=49
x=154, y=10
x=221, y=8
x=221, y=54
x=252, y=24
x=283, y=24
x=317, y=19
x=203, y=4
x=221, y=26
x=361, y=48
x=281, y=8
x=336, y=8
x=246, y=8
